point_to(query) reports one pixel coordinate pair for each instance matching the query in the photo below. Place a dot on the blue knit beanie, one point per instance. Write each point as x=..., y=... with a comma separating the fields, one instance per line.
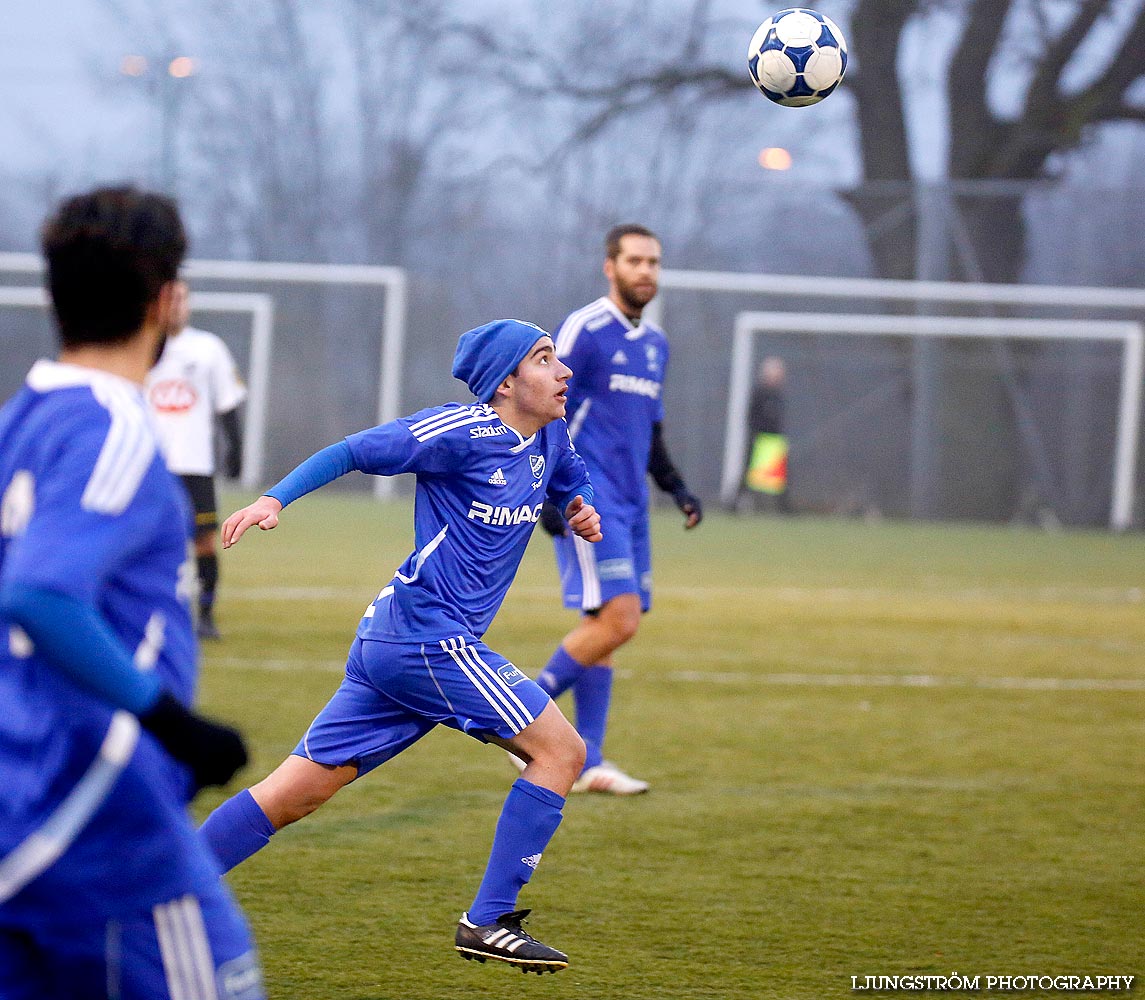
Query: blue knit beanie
x=485, y=357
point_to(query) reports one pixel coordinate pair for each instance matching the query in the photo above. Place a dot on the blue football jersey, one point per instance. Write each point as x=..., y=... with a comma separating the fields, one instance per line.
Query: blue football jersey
x=614, y=399
x=480, y=487
x=87, y=510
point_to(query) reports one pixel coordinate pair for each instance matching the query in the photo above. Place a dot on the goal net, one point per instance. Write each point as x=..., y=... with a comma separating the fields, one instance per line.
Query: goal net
x=1128, y=411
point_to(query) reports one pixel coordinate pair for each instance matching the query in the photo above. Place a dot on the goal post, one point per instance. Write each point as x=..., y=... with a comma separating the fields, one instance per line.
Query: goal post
x=391, y=280
x=260, y=308
x=896, y=290
x=927, y=298
x=1130, y=334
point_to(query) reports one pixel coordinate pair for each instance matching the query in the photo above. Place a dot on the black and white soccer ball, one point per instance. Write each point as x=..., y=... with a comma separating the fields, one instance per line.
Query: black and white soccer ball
x=797, y=57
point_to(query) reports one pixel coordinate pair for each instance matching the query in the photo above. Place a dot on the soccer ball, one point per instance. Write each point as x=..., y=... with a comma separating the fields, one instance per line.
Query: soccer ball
x=797, y=57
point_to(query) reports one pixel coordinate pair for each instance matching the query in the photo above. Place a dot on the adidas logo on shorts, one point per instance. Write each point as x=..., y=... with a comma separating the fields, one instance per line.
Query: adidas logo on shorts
x=532, y=861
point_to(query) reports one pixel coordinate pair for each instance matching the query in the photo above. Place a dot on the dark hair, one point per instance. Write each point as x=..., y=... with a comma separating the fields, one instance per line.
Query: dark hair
x=109, y=253
x=616, y=233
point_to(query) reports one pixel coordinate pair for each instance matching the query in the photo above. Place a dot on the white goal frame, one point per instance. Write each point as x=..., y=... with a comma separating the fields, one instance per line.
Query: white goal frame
x=1130, y=334
x=260, y=308
x=392, y=280
x=923, y=293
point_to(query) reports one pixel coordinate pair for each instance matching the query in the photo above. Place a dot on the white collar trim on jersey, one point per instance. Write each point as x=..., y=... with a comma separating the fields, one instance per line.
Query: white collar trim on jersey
x=524, y=441
x=46, y=375
x=631, y=332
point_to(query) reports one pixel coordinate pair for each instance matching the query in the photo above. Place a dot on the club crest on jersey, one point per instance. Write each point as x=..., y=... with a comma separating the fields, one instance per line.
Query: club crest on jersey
x=537, y=464
x=653, y=357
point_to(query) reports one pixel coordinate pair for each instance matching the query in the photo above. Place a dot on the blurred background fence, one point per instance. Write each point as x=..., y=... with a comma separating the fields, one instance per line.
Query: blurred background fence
x=980, y=429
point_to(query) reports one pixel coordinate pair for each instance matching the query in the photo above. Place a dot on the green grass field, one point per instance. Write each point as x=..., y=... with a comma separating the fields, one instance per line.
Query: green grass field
x=880, y=749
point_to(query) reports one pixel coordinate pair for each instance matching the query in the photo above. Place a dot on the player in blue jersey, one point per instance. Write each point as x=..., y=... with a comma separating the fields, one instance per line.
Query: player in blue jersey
x=483, y=471
x=616, y=417
x=106, y=889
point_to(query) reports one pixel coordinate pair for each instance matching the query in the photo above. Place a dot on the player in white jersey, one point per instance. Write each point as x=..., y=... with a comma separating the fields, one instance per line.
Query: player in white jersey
x=106, y=889
x=616, y=417
x=483, y=471
x=195, y=385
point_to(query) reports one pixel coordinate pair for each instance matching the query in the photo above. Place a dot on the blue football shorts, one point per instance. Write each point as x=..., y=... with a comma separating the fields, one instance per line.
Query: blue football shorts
x=134, y=908
x=620, y=563
x=396, y=692
x=193, y=947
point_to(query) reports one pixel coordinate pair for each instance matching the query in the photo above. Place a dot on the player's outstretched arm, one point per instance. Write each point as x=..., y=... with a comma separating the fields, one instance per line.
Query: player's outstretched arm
x=263, y=512
x=319, y=469
x=583, y=519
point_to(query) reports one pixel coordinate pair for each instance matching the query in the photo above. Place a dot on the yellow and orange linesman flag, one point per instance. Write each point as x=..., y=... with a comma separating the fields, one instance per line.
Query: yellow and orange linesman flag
x=767, y=472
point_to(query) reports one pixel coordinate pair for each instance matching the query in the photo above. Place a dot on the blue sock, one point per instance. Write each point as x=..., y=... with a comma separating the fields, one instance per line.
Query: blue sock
x=237, y=829
x=560, y=673
x=528, y=820
x=592, y=694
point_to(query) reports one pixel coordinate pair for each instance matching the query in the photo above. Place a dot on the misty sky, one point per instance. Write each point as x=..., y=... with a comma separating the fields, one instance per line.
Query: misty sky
x=67, y=112
x=64, y=102
x=50, y=54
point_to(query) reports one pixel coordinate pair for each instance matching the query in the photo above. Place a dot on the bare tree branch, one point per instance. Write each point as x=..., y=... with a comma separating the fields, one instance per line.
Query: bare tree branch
x=1052, y=121
x=973, y=128
x=1044, y=87
x=1105, y=95
x=876, y=33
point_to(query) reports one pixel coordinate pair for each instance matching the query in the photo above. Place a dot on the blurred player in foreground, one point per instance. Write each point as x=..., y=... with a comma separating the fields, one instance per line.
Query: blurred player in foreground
x=194, y=385
x=106, y=889
x=616, y=418
x=418, y=661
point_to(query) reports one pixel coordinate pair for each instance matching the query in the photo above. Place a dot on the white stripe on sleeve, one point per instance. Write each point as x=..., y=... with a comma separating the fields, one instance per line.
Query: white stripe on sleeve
x=126, y=454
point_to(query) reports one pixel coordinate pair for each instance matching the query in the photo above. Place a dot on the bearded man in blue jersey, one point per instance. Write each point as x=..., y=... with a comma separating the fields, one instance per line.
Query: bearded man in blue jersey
x=106, y=889
x=483, y=471
x=616, y=418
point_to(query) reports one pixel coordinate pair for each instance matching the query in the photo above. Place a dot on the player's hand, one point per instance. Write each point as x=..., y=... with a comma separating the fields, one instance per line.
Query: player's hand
x=583, y=520
x=552, y=521
x=690, y=507
x=213, y=751
x=263, y=512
